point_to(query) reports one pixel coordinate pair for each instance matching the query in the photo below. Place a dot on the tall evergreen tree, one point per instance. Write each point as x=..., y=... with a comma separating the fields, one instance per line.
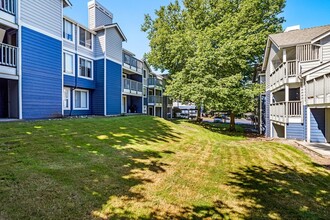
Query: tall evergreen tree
x=211, y=48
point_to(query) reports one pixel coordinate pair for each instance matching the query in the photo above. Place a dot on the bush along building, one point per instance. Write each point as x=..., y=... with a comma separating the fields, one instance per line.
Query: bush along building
x=297, y=68
x=52, y=66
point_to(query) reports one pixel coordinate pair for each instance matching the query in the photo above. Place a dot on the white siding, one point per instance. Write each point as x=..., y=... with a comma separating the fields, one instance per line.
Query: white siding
x=99, y=43
x=44, y=15
x=272, y=54
x=85, y=52
x=318, y=73
x=91, y=17
x=101, y=18
x=68, y=45
x=326, y=48
x=304, y=66
x=114, y=44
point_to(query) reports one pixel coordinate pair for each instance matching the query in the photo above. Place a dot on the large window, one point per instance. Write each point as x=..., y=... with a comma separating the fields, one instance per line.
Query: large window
x=85, y=68
x=68, y=63
x=85, y=38
x=81, y=99
x=66, y=99
x=67, y=30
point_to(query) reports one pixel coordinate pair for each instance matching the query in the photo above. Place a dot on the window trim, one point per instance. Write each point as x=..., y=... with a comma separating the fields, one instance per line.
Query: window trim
x=69, y=98
x=73, y=31
x=74, y=99
x=73, y=63
x=92, y=38
x=92, y=68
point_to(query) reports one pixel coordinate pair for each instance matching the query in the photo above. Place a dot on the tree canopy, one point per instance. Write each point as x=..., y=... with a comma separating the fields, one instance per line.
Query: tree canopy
x=211, y=48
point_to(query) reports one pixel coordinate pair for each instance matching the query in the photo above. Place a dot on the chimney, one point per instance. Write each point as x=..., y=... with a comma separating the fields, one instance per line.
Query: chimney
x=292, y=28
x=98, y=15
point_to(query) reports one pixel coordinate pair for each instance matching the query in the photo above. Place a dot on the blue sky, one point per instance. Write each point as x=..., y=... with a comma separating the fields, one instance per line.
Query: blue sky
x=129, y=14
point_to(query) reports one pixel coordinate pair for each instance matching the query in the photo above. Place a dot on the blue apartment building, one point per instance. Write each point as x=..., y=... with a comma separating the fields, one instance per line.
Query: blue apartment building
x=52, y=66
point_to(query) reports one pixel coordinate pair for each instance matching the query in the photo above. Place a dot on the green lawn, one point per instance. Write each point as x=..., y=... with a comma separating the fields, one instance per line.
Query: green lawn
x=148, y=168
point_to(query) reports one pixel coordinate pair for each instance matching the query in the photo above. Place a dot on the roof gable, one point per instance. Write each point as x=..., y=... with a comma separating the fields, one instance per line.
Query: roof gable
x=292, y=38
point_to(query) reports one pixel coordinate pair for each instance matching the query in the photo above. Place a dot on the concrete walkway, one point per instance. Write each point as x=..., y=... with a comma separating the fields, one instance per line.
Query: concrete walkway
x=322, y=149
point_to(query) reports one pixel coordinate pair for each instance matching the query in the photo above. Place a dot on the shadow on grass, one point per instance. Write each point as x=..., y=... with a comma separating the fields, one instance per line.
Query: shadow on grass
x=221, y=128
x=282, y=192
x=276, y=193
x=68, y=168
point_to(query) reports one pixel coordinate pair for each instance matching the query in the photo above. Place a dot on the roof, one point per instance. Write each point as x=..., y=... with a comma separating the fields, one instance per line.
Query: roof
x=295, y=37
x=67, y=3
x=113, y=25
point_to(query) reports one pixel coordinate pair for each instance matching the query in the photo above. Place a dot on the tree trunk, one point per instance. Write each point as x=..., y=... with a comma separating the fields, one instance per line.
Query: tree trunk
x=232, y=122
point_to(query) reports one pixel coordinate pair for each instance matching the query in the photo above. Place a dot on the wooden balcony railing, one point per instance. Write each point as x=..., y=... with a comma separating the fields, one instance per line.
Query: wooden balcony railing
x=8, y=55
x=8, y=6
x=132, y=87
x=283, y=73
x=308, y=52
x=318, y=90
x=283, y=111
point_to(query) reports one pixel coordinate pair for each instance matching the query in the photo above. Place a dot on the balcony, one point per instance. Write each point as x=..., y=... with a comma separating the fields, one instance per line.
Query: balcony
x=318, y=90
x=8, y=11
x=154, y=82
x=155, y=100
x=8, y=59
x=8, y=6
x=286, y=112
x=132, y=87
x=286, y=72
x=132, y=64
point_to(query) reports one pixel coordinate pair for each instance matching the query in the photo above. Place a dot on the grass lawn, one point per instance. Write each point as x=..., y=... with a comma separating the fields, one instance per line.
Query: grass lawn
x=148, y=168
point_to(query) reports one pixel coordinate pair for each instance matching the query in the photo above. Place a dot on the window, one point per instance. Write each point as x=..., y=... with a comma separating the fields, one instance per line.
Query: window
x=67, y=30
x=68, y=63
x=85, y=38
x=81, y=99
x=85, y=68
x=66, y=99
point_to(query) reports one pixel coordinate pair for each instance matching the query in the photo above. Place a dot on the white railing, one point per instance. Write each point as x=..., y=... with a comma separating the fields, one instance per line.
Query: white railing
x=8, y=6
x=8, y=55
x=283, y=111
x=318, y=90
x=283, y=73
x=132, y=87
x=294, y=108
x=308, y=52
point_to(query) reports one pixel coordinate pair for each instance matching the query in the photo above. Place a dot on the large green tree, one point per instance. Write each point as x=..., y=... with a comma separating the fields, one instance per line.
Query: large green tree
x=211, y=49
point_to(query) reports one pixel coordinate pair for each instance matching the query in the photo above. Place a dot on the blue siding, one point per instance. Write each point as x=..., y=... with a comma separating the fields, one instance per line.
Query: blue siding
x=317, y=125
x=113, y=84
x=268, y=114
x=41, y=75
x=98, y=94
x=79, y=112
x=69, y=80
x=81, y=82
x=295, y=131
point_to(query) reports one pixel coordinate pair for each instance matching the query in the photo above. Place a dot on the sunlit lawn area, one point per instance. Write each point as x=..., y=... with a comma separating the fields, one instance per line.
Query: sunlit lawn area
x=148, y=168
